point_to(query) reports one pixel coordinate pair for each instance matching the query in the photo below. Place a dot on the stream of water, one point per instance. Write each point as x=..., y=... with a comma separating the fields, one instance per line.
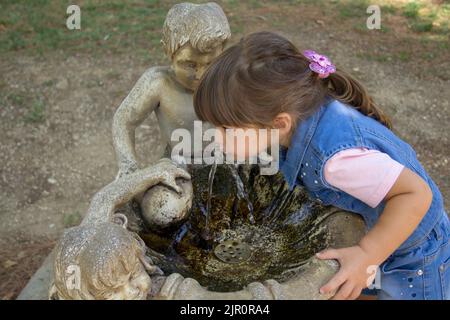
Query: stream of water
x=212, y=173
x=241, y=193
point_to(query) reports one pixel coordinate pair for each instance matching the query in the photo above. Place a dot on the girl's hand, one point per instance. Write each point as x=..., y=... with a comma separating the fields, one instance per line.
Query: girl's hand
x=353, y=275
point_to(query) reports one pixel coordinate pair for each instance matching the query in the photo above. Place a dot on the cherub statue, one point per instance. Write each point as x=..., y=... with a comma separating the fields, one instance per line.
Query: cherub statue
x=193, y=35
x=100, y=258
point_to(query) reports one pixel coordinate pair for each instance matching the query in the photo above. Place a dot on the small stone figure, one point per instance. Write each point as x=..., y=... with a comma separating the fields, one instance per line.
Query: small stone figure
x=193, y=35
x=100, y=258
x=101, y=262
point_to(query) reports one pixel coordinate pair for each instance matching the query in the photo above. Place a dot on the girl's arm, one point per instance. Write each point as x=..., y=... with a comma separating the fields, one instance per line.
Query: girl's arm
x=406, y=204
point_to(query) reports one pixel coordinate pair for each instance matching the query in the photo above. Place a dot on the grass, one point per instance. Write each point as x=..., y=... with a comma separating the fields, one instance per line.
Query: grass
x=16, y=99
x=422, y=26
x=389, y=9
x=445, y=45
x=36, y=113
x=30, y=108
x=40, y=24
x=116, y=25
x=351, y=9
x=373, y=57
x=424, y=16
x=404, y=56
x=418, y=22
x=411, y=10
x=421, y=16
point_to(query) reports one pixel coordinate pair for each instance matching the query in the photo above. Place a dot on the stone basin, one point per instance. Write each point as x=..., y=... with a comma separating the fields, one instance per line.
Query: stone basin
x=248, y=236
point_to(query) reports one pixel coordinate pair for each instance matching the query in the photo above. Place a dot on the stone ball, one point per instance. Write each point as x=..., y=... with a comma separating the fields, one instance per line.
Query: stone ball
x=162, y=206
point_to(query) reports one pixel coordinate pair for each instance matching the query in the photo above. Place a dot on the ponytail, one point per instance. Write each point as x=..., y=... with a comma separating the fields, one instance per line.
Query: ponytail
x=348, y=90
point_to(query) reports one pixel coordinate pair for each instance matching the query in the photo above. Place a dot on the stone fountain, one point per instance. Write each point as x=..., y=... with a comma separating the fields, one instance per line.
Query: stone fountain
x=193, y=231
x=228, y=233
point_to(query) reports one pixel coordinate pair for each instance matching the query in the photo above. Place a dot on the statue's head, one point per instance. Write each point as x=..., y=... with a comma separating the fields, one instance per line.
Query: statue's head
x=100, y=261
x=193, y=35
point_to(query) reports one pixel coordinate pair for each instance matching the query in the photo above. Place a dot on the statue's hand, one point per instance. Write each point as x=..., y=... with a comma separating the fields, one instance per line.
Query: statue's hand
x=169, y=172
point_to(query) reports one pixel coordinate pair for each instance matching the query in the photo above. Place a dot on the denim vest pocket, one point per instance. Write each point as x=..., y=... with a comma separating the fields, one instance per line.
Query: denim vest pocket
x=436, y=284
x=403, y=282
x=410, y=268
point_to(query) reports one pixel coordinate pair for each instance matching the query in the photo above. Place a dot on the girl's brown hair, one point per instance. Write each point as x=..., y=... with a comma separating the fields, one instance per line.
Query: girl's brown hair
x=253, y=81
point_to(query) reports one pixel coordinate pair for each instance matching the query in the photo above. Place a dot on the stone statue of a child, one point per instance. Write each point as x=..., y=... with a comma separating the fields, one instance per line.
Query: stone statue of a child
x=100, y=258
x=103, y=259
x=193, y=35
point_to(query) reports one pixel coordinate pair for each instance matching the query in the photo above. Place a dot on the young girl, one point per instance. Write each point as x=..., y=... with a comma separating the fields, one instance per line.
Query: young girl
x=339, y=146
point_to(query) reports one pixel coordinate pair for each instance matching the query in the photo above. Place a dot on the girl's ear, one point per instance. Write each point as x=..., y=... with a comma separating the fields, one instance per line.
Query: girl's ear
x=283, y=122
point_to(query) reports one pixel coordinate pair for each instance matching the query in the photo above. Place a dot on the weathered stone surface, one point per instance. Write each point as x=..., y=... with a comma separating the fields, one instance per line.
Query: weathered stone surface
x=162, y=206
x=347, y=228
x=39, y=284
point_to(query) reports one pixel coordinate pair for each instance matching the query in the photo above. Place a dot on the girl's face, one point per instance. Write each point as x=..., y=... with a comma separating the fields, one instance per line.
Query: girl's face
x=245, y=143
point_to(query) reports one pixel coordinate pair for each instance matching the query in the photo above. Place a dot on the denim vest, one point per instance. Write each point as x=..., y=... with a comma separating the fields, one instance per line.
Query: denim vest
x=335, y=127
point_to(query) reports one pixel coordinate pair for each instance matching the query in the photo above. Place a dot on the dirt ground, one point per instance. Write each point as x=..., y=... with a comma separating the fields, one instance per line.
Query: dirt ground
x=56, y=110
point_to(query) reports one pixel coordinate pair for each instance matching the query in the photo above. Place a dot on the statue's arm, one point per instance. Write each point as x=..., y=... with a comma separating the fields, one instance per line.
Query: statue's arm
x=125, y=188
x=135, y=108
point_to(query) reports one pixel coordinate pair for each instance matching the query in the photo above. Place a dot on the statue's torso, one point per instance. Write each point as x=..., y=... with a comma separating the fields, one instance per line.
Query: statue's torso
x=175, y=111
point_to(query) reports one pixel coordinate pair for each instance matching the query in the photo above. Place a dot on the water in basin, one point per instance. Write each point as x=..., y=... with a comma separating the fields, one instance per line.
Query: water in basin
x=243, y=227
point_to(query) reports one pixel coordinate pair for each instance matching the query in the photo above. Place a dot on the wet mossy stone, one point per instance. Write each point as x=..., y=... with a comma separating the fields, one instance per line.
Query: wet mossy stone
x=287, y=229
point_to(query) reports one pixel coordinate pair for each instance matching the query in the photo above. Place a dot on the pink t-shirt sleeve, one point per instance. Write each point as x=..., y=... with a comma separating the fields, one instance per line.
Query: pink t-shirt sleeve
x=365, y=174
